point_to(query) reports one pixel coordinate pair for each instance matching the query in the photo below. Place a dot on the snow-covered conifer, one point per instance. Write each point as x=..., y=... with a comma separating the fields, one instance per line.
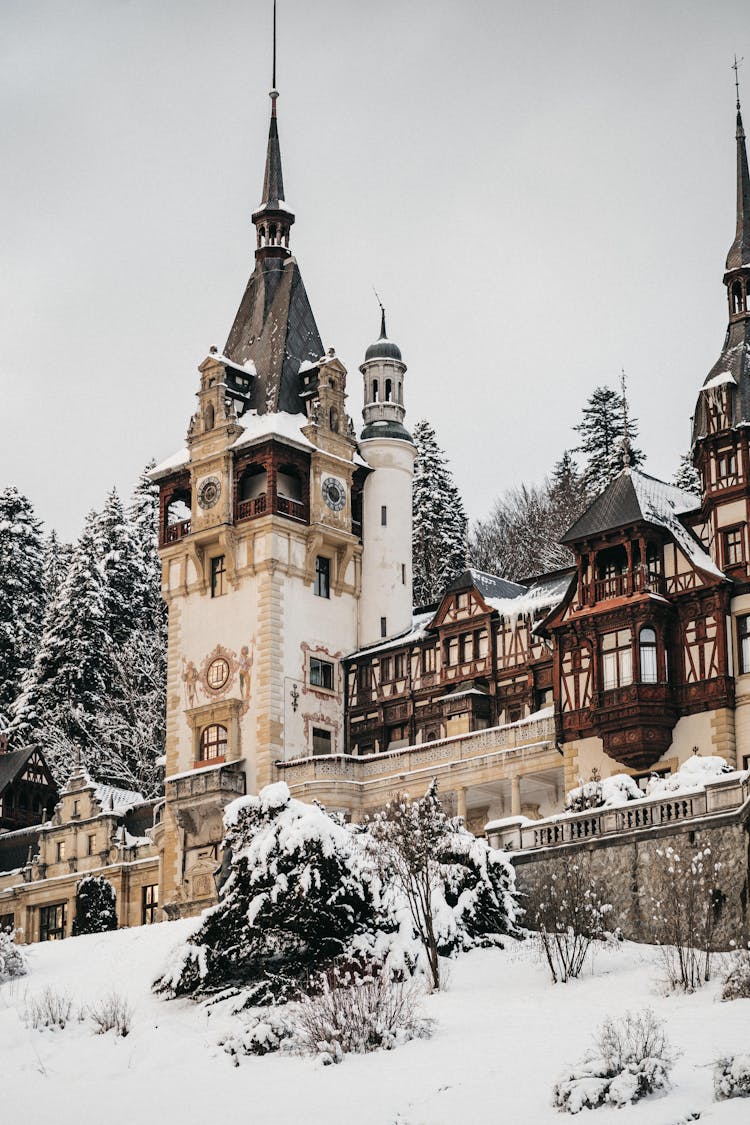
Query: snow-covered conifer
x=96, y=910
x=439, y=519
x=22, y=593
x=687, y=476
x=601, y=431
x=12, y=960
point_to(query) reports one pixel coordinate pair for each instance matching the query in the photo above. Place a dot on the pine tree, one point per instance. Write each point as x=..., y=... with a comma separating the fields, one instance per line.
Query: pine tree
x=57, y=557
x=121, y=564
x=687, y=476
x=22, y=593
x=143, y=513
x=602, y=429
x=96, y=910
x=439, y=520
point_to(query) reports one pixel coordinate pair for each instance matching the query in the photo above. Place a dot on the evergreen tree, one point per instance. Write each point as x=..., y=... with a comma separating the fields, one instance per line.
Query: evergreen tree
x=687, y=476
x=96, y=910
x=439, y=520
x=22, y=593
x=57, y=557
x=602, y=430
x=143, y=513
x=121, y=564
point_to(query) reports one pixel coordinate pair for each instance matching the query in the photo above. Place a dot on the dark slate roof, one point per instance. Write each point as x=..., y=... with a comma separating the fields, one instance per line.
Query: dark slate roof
x=739, y=252
x=11, y=765
x=388, y=427
x=275, y=330
x=632, y=497
x=488, y=585
x=383, y=348
x=14, y=847
x=273, y=180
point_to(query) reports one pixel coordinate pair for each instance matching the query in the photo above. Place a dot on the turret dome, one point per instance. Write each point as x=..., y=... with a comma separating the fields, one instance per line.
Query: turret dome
x=383, y=348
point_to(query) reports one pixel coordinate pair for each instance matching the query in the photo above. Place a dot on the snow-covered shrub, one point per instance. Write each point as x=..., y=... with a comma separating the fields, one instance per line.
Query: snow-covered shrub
x=736, y=984
x=112, y=1013
x=683, y=915
x=569, y=909
x=96, y=909
x=12, y=960
x=630, y=1059
x=49, y=1008
x=356, y=1014
x=460, y=893
x=301, y=894
x=732, y=1077
x=692, y=774
x=603, y=793
x=261, y=1035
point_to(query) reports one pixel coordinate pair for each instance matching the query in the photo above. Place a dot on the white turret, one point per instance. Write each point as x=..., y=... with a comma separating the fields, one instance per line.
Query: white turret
x=386, y=601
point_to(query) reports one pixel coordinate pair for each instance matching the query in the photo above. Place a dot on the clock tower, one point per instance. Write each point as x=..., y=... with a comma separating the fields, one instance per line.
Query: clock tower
x=261, y=545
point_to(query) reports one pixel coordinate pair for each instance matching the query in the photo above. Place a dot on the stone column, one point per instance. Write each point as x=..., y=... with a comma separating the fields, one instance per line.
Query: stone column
x=515, y=796
x=461, y=802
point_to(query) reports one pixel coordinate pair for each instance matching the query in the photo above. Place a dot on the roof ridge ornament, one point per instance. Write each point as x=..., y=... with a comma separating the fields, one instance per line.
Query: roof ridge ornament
x=626, y=449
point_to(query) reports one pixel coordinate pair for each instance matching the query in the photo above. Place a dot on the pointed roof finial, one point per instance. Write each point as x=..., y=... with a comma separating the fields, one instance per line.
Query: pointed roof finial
x=273, y=76
x=627, y=453
x=739, y=253
x=383, y=333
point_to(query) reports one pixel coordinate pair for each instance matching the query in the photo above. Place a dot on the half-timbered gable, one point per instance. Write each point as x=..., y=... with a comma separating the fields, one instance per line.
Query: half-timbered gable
x=28, y=792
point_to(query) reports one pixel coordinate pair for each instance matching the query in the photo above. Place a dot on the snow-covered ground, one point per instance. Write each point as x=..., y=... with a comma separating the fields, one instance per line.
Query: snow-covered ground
x=503, y=1034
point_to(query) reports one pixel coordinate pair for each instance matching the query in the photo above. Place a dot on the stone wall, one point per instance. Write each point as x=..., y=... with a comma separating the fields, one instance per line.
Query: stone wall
x=629, y=867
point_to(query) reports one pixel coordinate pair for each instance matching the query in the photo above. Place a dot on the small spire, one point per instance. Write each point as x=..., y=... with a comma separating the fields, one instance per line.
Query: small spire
x=273, y=219
x=739, y=253
x=383, y=333
x=627, y=453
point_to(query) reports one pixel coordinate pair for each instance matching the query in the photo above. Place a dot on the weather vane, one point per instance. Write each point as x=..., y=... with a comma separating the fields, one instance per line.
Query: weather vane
x=273, y=79
x=736, y=68
x=626, y=458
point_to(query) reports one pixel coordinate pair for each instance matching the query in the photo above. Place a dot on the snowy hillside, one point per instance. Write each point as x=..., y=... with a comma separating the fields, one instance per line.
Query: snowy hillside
x=503, y=1034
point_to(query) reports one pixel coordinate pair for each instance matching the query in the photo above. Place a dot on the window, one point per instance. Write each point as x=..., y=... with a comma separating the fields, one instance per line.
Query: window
x=648, y=656
x=726, y=465
x=60, y=851
x=743, y=643
x=398, y=735
x=617, y=659
x=321, y=673
x=149, y=904
x=403, y=574
x=322, y=587
x=383, y=516
x=385, y=669
x=213, y=742
x=383, y=627
x=428, y=660
x=399, y=662
x=90, y=843
x=464, y=648
x=218, y=577
x=734, y=548
x=76, y=811
x=322, y=741
x=52, y=921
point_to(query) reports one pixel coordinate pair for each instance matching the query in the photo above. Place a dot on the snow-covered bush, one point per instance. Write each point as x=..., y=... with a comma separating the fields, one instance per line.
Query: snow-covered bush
x=630, y=1059
x=112, y=1013
x=683, y=915
x=603, y=793
x=736, y=983
x=569, y=909
x=96, y=909
x=732, y=1077
x=261, y=1035
x=49, y=1008
x=692, y=774
x=301, y=894
x=12, y=960
x=356, y=1014
x=460, y=893
x=306, y=892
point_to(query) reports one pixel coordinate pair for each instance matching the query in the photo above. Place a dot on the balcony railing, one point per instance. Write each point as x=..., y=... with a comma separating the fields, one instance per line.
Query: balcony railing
x=285, y=506
x=192, y=786
x=264, y=504
x=176, y=531
x=721, y=796
x=247, y=509
x=621, y=585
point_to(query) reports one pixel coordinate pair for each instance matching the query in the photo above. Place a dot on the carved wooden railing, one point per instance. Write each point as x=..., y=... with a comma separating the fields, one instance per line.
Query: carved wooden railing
x=247, y=509
x=285, y=506
x=176, y=531
x=719, y=796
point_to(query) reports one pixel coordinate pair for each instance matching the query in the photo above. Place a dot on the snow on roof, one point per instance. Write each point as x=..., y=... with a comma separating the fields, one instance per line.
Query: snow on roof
x=537, y=598
x=118, y=799
x=257, y=427
x=416, y=632
x=176, y=461
x=661, y=504
x=719, y=380
x=248, y=367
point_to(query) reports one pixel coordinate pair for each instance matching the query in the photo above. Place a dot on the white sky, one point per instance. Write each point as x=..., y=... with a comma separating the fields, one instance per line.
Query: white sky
x=541, y=193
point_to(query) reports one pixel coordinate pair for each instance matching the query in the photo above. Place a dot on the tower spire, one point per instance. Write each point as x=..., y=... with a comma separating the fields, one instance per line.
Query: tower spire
x=739, y=253
x=273, y=219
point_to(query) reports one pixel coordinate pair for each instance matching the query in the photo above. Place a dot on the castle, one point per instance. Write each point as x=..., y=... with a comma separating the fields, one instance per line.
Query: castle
x=295, y=652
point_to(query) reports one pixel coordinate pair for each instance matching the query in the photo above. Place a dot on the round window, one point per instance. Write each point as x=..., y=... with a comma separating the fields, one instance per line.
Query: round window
x=218, y=673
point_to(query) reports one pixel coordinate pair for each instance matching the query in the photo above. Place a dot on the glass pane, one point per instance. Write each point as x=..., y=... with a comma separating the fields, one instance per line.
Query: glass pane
x=648, y=664
x=610, y=671
x=626, y=667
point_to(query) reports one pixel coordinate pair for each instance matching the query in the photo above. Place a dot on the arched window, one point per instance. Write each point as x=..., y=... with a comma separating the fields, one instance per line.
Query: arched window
x=333, y=420
x=208, y=417
x=648, y=656
x=737, y=303
x=252, y=483
x=388, y=390
x=289, y=483
x=213, y=742
x=374, y=390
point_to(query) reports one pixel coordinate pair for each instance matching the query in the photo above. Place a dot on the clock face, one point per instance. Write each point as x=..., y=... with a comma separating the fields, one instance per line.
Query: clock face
x=334, y=494
x=209, y=492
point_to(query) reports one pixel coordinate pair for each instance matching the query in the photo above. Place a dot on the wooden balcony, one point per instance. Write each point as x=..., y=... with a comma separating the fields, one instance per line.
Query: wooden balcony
x=176, y=531
x=249, y=509
x=276, y=505
x=623, y=585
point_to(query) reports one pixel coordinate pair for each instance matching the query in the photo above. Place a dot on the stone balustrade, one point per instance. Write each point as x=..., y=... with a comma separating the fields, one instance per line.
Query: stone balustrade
x=723, y=795
x=515, y=739
x=218, y=779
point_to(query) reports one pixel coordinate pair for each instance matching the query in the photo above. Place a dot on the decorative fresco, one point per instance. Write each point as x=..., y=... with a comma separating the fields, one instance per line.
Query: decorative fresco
x=220, y=674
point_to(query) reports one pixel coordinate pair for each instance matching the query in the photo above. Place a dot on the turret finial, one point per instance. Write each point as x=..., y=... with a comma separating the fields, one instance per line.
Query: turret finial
x=627, y=453
x=274, y=93
x=736, y=68
x=383, y=333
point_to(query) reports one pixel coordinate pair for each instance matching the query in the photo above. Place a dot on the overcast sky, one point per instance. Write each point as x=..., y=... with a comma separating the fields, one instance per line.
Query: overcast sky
x=541, y=192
